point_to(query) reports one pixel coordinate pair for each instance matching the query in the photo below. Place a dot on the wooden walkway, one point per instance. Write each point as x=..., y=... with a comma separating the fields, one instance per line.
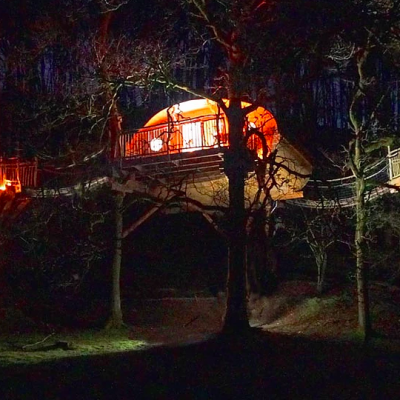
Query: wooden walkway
x=383, y=177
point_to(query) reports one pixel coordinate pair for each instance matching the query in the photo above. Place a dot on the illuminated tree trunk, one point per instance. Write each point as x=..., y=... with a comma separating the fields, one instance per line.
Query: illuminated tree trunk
x=113, y=126
x=322, y=262
x=320, y=253
x=357, y=162
x=364, y=321
x=116, y=320
x=110, y=92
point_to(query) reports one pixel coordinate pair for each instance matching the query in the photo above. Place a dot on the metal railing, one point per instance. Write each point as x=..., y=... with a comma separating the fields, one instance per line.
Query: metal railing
x=200, y=133
x=341, y=192
x=16, y=173
x=394, y=163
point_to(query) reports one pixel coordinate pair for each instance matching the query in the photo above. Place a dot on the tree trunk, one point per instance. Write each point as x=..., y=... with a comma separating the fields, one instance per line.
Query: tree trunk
x=322, y=261
x=358, y=167
x=364, y=320
x=261, y=262
x=116, y=319
x=113, y=125
x=236, y=318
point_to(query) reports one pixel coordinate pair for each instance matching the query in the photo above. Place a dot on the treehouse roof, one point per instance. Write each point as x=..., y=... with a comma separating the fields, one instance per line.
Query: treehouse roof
x=260, y=118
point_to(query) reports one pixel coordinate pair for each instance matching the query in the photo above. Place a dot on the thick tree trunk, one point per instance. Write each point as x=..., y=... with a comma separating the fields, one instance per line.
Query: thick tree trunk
x=116, y=319
x=236, y=318
x=113, y=131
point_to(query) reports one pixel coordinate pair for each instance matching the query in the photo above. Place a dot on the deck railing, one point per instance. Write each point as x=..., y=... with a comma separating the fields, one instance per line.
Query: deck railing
x=394, y=164
x=200, y=133
x=16, y=173
x=341, y=191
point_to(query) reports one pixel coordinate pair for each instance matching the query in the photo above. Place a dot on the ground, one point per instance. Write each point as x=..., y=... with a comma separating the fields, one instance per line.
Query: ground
x=302, y=346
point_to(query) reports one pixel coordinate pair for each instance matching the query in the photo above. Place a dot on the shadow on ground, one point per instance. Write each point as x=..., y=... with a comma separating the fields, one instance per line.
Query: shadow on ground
x=257, y=366
x=182, y=356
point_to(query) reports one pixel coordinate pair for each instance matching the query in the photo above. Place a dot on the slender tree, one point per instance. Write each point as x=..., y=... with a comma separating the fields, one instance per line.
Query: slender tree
x=370, y=133
x=320, y=229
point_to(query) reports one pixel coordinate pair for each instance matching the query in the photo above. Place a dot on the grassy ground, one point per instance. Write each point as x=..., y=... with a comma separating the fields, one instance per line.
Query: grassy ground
x=295, y=310
x=292, y=310
x=304, y=347
x=26, y=349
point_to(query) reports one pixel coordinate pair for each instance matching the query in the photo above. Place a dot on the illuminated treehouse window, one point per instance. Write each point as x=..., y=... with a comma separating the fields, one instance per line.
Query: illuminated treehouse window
x=211, y=133
x=191, y=134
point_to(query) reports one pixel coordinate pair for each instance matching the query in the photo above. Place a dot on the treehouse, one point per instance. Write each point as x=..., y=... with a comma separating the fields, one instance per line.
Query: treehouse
x=184, y=146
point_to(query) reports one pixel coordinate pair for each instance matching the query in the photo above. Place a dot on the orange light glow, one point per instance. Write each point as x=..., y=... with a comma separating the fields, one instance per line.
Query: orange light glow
x=198, y=125
x=14, y=185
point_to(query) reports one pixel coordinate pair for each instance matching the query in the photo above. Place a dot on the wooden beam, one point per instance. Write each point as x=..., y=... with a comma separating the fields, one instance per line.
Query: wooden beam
x=194, y=207
x=141, y=220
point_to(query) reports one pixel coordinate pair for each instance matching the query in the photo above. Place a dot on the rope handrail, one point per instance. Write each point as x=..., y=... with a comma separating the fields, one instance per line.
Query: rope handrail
x=332, y=193
x=318, y=193
x=381, y=161
x=384, y=169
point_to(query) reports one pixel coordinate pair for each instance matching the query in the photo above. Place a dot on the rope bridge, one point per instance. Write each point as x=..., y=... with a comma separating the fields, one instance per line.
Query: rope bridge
x=16, y=174
x=341, y=192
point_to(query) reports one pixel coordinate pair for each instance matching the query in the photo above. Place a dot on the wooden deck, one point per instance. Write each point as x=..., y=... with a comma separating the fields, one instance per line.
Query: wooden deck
x=182, y=146
x=200, y=165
